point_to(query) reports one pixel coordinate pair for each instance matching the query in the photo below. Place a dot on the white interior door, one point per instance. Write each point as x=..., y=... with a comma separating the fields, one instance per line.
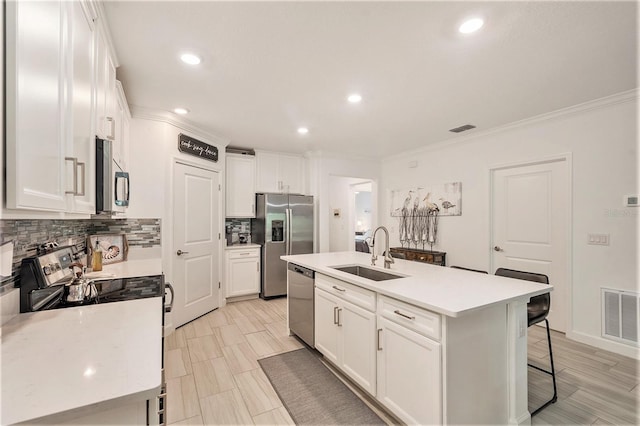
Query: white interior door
x=530, y=223
x=196, y=242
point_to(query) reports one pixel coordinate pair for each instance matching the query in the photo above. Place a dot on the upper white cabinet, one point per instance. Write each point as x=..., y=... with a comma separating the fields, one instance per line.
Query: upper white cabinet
x=240, y=185
x=49, y=80
x=120, y=121
x=106, y=89
x=277, y=172
x=82, y=111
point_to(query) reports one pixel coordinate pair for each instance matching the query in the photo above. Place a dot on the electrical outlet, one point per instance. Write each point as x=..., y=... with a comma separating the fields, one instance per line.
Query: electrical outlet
x=598, y=239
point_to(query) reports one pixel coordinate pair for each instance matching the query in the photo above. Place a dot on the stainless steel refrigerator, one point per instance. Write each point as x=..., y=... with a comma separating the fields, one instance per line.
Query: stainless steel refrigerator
x=283, y=225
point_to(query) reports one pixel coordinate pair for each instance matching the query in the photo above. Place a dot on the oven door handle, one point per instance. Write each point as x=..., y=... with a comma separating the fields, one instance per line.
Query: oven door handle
x=169, y=307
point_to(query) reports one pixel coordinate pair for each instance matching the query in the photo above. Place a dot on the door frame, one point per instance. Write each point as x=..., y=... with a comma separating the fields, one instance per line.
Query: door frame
x=167, y=227
x=568, y=160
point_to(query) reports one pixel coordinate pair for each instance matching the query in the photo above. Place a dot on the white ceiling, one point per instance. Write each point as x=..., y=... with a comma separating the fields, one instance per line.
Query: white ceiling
x=271, y=67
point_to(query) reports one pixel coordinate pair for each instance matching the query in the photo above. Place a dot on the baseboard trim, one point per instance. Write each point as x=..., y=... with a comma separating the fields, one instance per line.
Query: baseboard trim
x=608, y=345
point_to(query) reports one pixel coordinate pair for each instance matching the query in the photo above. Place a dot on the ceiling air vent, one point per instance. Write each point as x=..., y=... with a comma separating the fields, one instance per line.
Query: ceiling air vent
x=462, y=128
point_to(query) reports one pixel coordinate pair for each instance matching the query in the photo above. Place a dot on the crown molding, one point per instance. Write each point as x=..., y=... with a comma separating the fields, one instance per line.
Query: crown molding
x=144, y=113
x=607, y=101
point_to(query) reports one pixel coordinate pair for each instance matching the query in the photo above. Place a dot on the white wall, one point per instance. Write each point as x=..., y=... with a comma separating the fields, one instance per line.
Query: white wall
x=321, y=169
x=342, y=228
x=153, y=151
x=603, y=141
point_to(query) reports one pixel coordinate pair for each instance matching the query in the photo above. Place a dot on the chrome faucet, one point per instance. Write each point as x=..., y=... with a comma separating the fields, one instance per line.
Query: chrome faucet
x=388, y=260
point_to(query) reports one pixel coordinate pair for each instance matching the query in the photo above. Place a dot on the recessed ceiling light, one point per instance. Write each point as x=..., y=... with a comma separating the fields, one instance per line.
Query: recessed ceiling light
x=354, y=98
x=471, y=25
x=190, y=58
x=303, y=130
x=181, y=111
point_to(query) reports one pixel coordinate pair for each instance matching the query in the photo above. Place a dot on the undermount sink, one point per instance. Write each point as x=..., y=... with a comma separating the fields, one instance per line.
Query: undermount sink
x=369, y=273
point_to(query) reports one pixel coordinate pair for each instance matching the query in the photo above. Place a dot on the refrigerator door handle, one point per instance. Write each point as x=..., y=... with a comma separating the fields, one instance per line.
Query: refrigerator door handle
x=288, y=232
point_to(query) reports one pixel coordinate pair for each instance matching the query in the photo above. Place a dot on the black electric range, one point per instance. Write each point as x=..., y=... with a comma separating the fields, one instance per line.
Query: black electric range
x=43, y=280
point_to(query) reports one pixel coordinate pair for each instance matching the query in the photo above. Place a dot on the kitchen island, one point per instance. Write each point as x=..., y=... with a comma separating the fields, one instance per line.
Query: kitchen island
x=434, y=345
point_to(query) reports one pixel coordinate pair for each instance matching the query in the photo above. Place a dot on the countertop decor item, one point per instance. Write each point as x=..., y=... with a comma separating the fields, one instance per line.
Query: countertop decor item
x=114, y=247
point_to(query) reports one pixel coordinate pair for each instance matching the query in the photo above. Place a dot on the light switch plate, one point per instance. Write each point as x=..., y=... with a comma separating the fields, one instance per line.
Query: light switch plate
x=598, y=239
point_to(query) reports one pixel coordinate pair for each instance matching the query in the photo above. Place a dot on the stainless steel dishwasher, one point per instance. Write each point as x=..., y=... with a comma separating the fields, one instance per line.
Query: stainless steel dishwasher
x=301, y=311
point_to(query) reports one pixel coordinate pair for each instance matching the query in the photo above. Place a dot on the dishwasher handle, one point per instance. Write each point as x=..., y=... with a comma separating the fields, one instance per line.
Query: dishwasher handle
x=309, y=273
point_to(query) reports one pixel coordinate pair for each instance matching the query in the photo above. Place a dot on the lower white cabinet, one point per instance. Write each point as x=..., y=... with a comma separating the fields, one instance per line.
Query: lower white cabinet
x=409, y=374
x=346, y=335
x=242, y=271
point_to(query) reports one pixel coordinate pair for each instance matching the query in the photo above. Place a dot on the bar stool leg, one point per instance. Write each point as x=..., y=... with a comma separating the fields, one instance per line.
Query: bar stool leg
x=552, y=373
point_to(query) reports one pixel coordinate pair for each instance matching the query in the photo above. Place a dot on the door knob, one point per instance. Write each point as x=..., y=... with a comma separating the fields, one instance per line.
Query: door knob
x=498, y=248
x=180, y=252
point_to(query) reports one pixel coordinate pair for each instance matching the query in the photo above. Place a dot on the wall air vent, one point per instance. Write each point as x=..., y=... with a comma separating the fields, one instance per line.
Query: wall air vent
x=620, y=315
x=462, y=128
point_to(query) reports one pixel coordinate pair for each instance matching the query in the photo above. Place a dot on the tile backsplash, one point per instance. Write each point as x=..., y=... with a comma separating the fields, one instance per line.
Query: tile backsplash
x=27, y=235
x=238, y=226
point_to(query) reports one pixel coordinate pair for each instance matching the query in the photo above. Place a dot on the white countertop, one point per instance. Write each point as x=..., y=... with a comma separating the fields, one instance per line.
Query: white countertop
x=451, y=292
x=64, y=359
x=243, y=246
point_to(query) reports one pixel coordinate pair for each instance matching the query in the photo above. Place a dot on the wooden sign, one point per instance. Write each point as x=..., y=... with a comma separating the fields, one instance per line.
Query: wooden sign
x=192, y=146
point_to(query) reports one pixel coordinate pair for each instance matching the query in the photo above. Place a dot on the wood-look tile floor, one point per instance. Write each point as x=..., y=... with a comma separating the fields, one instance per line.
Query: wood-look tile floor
x=213, y=377
x=594, y=386
x=211, y=367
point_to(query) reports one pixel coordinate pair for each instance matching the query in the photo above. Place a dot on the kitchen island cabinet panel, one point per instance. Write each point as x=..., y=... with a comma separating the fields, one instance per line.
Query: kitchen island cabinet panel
x=358, y=345
x=326, y=322
x=409, y=374
x=346, y=333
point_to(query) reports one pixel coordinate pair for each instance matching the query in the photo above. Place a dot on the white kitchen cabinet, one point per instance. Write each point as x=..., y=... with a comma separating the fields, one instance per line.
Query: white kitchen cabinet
x=240, y=186
x=49, y=96
x=82, y=109
x=409, y=374
x=106, y=89
x=122, y=117
x=345, y=332
x=327, y=336
x=120, y=142
x=242, y=271
x=280, y=173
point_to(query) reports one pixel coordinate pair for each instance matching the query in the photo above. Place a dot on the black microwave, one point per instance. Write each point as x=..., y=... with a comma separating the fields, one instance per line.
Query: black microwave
x=112, y=183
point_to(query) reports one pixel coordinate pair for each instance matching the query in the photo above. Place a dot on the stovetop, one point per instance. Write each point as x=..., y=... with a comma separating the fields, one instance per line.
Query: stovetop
x=112, y=290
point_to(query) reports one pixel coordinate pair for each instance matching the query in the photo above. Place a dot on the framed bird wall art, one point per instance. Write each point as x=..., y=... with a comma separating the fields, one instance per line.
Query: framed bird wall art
x=445, y=198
